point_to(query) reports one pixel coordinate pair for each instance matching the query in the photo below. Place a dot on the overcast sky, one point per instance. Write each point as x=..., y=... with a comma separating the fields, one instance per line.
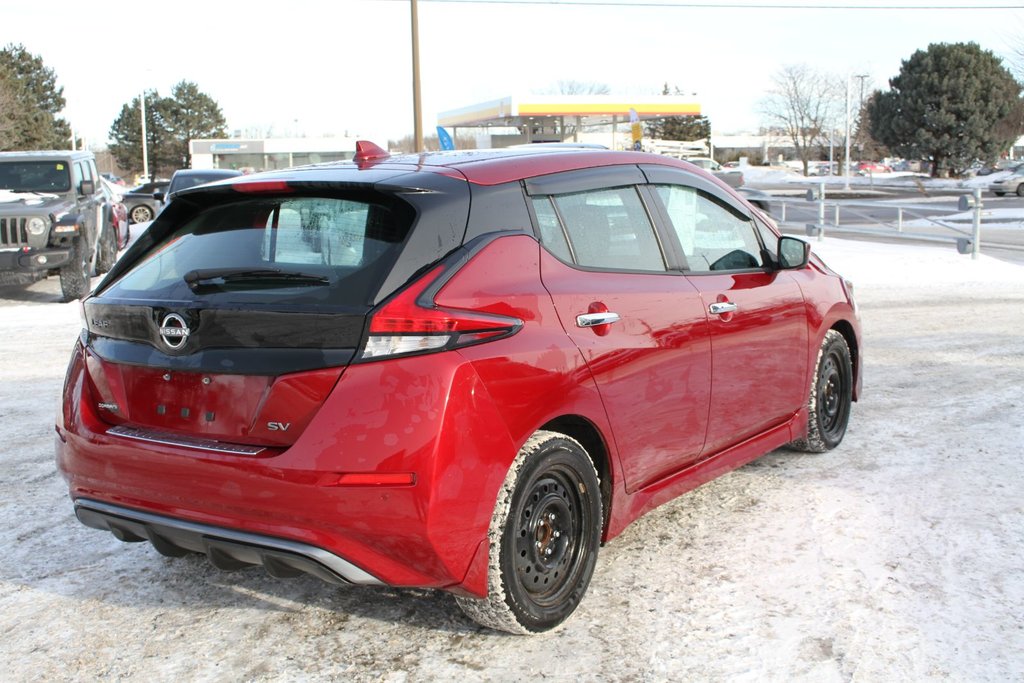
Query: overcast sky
x=314, y=68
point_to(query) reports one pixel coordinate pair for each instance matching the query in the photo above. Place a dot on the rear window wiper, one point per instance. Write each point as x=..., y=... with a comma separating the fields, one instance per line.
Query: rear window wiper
x=258, y=277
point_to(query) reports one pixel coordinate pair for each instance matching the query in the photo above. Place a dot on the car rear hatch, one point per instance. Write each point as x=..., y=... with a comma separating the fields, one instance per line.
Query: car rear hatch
x=229, y=325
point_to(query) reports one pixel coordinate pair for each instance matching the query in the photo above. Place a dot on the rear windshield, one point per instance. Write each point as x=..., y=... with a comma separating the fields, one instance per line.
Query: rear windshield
x=35, y=176
x=283, y=250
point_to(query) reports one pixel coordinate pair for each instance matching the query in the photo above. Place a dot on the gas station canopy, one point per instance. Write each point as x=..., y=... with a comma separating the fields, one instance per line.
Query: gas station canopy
x=581, y=110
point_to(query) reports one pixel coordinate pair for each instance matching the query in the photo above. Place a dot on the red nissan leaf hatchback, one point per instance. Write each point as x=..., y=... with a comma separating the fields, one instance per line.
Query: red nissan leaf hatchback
x=458, y=370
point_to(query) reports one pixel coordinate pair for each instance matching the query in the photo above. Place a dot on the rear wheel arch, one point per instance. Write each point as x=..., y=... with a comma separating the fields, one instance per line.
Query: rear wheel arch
x=544, y=536
x=589, y=436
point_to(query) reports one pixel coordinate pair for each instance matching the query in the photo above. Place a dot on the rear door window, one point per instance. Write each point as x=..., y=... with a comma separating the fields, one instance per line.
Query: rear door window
x=297, y=250
x=609, y=229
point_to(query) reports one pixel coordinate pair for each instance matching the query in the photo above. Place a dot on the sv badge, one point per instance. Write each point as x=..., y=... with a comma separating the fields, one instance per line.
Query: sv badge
x=278, y=426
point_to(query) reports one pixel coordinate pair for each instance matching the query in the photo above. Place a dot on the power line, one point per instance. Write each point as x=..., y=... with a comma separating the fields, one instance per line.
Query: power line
x=671, y=4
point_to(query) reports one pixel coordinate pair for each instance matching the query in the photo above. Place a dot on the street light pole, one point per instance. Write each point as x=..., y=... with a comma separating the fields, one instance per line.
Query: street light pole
x=416, y=113
x=846, y=160
x=145, y=156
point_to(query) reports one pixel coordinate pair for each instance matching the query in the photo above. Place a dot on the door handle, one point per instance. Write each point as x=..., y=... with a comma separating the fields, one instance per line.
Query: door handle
x=722, y=307
x=595, y=319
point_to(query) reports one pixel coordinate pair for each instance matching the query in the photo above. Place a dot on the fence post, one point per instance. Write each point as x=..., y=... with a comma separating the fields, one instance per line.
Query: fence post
x=783, y=211
x=835, y=222
x=821, y=211
x=971, y=201
x=976, y=247
x=899, y=219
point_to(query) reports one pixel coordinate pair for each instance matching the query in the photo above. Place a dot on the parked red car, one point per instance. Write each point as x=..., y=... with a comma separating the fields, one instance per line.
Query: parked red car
x=115, y=219
x=460, y=371
x=866, y=167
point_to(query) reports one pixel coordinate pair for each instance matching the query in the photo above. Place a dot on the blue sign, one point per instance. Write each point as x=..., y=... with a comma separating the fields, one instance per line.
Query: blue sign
x=444, y=139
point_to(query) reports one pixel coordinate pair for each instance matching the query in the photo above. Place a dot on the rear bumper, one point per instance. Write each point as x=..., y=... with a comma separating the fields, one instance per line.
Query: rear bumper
x=290, y=509
x=226, y=548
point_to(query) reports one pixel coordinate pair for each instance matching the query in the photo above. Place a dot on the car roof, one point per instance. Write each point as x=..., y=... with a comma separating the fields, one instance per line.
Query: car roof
x=210, y=172
x=480, y=167
x=47, y=154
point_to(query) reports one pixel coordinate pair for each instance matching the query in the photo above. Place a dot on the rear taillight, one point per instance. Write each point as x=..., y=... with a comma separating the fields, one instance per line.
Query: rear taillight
x=412, y=322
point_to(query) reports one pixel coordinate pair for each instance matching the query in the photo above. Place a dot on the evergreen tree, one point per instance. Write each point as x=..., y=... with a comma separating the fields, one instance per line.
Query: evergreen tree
x=190, y=115
x=171, y=122
x=33, y=124
x=12, y=115
x=951, y=104
x=686, y=128
x=126, y=133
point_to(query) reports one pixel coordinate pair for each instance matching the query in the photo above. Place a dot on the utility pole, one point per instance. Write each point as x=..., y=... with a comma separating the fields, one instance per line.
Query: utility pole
x=416, y=113
x=145, y=155
x=846, y=161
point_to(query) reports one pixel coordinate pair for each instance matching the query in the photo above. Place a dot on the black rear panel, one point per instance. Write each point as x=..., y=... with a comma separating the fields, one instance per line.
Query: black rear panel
x=246, y=341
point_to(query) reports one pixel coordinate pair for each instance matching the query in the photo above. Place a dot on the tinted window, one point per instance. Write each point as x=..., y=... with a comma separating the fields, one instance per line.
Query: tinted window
x=336, y=251
x=610, y=229
x=35, y=176
x=551, y=234
x=713, y=235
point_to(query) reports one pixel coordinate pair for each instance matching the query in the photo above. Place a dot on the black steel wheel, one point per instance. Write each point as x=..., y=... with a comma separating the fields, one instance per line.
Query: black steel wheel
x=140, y=214
x=544, y=535
x=831, y=397
x=74, y=277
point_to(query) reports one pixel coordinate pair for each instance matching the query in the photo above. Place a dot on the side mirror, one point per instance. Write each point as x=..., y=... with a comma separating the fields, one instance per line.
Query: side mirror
x=159, y=196
x=87, y=187
x=793, y=253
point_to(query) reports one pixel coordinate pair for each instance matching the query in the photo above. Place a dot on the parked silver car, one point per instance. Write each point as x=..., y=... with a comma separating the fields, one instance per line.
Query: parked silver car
x=1011, y=183
x=140, y=203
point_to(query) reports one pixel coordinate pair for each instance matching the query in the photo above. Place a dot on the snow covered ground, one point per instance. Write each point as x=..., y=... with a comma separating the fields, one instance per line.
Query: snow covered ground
x=760, y=175
x=898, y=556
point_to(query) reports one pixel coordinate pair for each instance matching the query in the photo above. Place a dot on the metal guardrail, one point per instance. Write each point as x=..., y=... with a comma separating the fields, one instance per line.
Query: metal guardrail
x=967, y=242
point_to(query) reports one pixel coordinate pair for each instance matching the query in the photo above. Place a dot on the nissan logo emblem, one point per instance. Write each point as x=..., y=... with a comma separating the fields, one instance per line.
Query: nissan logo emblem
x=174, y=331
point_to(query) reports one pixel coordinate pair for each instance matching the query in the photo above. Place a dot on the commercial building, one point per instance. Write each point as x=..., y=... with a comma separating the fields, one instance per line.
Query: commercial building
x=269, y=154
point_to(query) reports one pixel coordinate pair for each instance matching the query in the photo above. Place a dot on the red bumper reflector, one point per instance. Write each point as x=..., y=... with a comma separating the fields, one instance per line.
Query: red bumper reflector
x=376, y=479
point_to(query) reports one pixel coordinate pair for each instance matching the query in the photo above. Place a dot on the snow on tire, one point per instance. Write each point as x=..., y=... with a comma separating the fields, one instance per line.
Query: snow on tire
x=544, y=536
x=831, y=396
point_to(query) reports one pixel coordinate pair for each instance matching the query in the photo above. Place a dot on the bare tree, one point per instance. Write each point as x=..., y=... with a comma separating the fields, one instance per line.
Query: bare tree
x=431, y=143
x=804, y=104
x=571, y=87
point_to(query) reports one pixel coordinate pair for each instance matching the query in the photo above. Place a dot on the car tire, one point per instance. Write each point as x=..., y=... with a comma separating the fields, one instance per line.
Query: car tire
x=74, y=277
x=544, y=537
x=998, y=194
x=831, y=397
x=141, y=214
x=1020, y=189
x=107, y=252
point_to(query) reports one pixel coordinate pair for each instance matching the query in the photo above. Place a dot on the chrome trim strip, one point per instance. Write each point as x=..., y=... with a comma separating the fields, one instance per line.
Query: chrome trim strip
x=342, y=568
x=153, y=436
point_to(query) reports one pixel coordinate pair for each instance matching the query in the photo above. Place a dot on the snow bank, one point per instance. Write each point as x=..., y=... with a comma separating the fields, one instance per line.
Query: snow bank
x=912, y=266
